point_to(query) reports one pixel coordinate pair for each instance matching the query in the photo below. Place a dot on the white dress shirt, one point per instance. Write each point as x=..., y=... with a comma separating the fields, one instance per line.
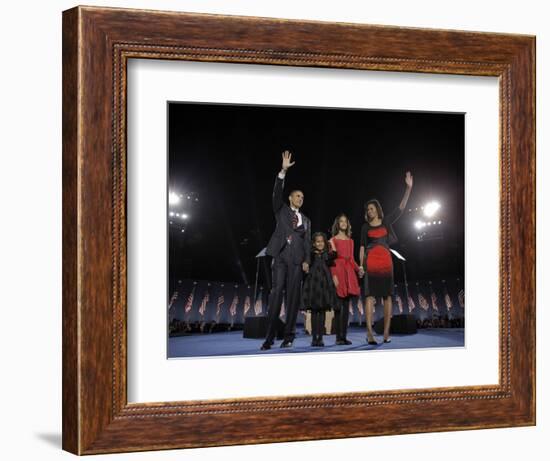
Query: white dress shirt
x=296, y=210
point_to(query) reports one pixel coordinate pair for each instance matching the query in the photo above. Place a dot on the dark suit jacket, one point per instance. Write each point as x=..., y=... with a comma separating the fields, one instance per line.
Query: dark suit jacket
x=283, y=229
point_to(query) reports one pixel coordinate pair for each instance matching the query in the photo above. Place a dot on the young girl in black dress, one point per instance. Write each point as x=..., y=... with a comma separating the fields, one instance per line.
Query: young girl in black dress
x=318, y=291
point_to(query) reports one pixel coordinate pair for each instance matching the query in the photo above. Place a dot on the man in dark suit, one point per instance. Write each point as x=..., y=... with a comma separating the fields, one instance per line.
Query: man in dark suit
x=290, y=247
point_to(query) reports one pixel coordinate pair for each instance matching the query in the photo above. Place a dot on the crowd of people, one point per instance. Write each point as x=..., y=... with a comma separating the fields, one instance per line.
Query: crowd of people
x=201, y=325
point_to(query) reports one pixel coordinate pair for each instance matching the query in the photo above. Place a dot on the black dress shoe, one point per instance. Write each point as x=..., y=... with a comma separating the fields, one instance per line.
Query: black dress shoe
x=286, y=343
x=265, y=346
x=343, y=342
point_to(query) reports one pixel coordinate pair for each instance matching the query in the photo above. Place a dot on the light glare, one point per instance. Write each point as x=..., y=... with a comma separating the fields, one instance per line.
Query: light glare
x=173, y=198
x=431, y=208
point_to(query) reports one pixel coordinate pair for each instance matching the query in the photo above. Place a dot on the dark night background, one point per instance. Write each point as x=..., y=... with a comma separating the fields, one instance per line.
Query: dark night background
x=226, y=157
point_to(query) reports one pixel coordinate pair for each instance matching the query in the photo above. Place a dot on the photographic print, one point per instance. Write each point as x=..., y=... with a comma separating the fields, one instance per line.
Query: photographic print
x=313, y=229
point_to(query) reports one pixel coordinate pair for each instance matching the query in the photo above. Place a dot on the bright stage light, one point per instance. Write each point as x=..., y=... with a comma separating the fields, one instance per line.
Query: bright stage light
x=184, y=216
x=431, y=208
x=171, y=213
x=173, y=198
x=419, y=224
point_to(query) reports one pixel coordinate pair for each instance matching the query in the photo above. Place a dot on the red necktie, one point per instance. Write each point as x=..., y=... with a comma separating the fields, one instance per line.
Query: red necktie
x=294, y=220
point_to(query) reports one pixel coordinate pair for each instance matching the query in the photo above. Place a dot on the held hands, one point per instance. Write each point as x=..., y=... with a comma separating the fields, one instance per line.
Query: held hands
x=305, y=267
x=361, y=272
x=287, y=157
x=409, y=179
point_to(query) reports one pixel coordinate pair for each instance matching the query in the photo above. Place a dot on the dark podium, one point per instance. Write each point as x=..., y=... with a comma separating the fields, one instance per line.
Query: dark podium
x=256, y=327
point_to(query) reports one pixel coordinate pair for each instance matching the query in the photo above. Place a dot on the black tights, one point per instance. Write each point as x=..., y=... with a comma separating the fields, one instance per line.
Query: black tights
x=341, y=318
x=317, y=325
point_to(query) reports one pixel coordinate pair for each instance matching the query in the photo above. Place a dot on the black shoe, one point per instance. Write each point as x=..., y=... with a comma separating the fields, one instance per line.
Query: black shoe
x=317, y=343
x=265, y=346
x=286, y=343
x=372, y=343
x=387, y=340
x=343, y=342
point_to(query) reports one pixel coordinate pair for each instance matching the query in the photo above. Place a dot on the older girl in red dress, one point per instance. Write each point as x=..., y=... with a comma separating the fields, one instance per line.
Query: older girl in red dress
x=344, y=274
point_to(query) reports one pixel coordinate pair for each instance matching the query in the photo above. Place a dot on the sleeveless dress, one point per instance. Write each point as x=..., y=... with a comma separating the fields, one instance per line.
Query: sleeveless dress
x=318, y=291
x=345, y=268
x=378, y=265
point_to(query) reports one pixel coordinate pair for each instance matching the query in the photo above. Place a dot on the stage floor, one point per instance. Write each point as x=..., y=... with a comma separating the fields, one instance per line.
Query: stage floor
x=232, y=343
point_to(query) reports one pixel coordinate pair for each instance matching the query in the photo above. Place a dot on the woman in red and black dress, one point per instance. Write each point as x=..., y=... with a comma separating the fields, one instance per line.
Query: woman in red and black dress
x=344, y=274
x=377, y=235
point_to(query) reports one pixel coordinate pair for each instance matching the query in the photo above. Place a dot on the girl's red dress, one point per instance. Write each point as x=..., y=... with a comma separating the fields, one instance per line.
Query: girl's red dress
x=345, y=268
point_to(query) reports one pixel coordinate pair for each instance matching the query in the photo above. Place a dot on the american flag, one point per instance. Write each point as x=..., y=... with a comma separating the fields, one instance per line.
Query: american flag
x=399, y=303
x=461, y=297
x=172, y=299
x=204, y=302
x=219, y=304
x=233, y=307
x=360, y=306
x=246, y=304
x=411, y=303
x=189, y=303
x=423, y=302
x=258, y=305
x=434, y=301
x=448, y=301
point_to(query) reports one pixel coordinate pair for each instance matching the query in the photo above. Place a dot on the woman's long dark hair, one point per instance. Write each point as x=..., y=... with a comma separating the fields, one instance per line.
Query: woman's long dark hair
x=336, y=227
x=376, y=203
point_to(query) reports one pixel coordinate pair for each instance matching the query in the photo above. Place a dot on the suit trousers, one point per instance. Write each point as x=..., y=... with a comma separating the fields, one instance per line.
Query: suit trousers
x=285, y=275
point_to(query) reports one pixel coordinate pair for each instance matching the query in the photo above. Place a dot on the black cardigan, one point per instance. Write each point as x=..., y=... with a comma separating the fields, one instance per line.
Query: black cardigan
x=387, y=221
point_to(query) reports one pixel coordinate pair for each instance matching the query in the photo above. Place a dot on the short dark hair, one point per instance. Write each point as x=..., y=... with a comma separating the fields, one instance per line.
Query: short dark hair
x=296, y=190
x=379, y=210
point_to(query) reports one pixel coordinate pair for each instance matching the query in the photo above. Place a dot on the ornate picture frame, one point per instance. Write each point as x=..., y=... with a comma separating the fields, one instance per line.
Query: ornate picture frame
x=97, y=44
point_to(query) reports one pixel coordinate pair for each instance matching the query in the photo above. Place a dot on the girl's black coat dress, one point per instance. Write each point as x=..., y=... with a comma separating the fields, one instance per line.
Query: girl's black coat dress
x=318, y=290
